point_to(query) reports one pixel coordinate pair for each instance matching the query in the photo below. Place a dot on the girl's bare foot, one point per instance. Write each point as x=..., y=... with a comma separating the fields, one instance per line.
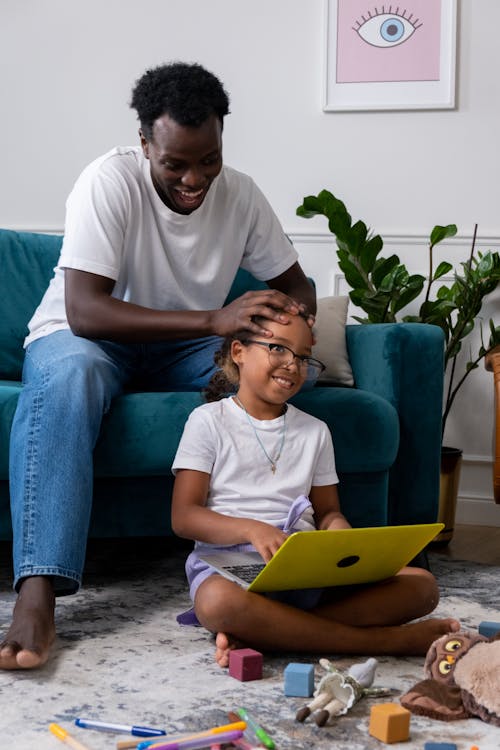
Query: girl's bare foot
x=416, y=638
x=223, y=645
x=27, y=642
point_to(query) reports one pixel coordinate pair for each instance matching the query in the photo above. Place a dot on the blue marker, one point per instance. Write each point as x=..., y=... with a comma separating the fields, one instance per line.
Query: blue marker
x=105, y=726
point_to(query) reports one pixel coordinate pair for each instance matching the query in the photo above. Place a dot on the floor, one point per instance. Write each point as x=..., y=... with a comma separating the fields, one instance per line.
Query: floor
x=480, y=544
x=120, y=656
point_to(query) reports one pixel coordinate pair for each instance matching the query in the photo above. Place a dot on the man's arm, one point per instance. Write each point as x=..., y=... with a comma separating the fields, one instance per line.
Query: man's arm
x=93, y=313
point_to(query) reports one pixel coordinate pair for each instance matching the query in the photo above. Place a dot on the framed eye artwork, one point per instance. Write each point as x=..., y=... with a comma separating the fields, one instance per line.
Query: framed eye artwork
x=390, y=56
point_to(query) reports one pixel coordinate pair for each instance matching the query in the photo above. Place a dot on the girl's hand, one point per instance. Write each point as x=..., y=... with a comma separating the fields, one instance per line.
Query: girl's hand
x=265, y=538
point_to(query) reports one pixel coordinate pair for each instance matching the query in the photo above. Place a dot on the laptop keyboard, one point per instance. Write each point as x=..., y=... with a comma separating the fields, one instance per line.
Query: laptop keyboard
x=247, y=573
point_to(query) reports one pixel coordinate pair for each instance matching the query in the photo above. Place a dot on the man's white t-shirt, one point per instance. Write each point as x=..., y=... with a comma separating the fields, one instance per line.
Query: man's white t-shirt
x=219, y=441
x=118, y=227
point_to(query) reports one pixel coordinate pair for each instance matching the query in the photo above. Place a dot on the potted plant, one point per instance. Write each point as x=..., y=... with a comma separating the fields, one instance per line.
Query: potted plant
x=383, y=288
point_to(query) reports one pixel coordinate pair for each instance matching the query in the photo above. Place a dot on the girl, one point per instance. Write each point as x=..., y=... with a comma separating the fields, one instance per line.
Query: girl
x=241, y=462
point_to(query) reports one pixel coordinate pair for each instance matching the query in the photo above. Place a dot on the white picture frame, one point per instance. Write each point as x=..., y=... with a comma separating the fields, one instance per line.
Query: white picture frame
x=390, y=57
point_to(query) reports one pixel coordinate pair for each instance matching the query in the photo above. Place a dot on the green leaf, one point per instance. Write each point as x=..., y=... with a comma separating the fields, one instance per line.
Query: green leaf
x=411, y=319
x=411, y=292
x=339, y=225
x=495, y=335
x=442, y=269
x=387, y=283
x=370, y=251
x=352, y=275
x=356, y=239
x=311, y=206
x=382, y=267
x=485, y=265
x=440, y=233
x=444, y=292
x=330, y=205
x=357, y=296
x=436, y=311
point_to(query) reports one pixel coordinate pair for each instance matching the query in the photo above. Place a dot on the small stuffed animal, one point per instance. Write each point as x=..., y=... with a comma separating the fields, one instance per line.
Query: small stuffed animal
x=462, y=672
x=338, y=691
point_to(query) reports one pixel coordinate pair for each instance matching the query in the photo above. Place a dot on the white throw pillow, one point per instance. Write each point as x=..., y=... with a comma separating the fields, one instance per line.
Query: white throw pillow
x=331, y=346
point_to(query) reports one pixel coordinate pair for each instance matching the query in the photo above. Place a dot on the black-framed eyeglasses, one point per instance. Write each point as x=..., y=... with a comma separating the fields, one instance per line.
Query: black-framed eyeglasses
x=282, y=356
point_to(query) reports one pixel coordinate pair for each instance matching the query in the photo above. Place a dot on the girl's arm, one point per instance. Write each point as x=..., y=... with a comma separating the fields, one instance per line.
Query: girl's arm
x=327, y=514
x=191, y=519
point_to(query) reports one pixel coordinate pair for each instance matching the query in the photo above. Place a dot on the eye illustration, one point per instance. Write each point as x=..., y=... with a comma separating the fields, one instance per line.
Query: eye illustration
x=387, y=28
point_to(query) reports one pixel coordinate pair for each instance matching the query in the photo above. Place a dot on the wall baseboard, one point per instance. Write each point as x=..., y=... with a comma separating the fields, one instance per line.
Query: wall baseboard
x=477, y=512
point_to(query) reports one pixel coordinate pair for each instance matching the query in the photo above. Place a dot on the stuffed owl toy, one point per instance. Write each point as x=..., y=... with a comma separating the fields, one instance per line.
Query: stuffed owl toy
x=462, y=679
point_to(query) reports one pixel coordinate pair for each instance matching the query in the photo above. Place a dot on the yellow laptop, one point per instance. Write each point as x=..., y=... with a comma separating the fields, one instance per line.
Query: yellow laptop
x=338, y=557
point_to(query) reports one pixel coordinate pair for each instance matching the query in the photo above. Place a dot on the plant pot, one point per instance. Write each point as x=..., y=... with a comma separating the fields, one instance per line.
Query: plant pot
x=451, y=462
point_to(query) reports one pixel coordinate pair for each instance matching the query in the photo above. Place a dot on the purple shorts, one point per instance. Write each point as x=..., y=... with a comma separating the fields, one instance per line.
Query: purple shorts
x=198, y=570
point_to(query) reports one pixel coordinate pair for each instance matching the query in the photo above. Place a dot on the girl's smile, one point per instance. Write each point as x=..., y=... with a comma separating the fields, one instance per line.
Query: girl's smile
x=264, y=384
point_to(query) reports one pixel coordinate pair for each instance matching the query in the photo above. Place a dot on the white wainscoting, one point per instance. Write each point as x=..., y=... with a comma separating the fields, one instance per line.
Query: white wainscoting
x=318, y=257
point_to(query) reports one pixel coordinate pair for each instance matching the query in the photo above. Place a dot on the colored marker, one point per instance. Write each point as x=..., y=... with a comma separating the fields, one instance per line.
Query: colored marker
x=259, y=733
x=105, y=726
x=153, y=744
x=63, y=735
x=244, y=742
x=198, y=742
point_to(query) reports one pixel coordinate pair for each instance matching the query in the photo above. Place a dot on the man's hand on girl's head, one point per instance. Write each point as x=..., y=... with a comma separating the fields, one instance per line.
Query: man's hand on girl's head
x=250, y=311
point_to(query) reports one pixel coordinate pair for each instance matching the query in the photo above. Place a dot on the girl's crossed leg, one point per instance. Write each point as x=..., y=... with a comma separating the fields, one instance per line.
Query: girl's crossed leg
x=367, y=620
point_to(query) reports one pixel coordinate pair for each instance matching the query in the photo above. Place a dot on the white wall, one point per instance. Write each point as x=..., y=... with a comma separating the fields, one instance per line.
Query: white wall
x=67, y=69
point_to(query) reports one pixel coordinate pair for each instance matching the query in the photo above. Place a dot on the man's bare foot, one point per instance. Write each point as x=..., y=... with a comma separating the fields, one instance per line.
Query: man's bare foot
x=27, y=642
x=223, y=645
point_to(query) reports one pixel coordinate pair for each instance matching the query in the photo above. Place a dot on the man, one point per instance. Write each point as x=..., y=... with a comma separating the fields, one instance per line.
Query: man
x=154, y=236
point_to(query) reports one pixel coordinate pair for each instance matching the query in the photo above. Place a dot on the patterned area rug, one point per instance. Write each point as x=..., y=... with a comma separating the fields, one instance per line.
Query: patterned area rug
x=120, y=656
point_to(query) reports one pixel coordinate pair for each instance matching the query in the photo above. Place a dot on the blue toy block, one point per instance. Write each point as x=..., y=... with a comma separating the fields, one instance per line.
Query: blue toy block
x=440, y=746
x=299, y=680
x=489, y=629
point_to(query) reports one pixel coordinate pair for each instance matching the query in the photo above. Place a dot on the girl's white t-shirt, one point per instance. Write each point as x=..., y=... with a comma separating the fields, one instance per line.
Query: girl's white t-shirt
x=219, y=441
x=118, y=227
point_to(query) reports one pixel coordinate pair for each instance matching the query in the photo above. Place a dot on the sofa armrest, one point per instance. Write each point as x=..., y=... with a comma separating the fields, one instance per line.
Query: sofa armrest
x=403, y=363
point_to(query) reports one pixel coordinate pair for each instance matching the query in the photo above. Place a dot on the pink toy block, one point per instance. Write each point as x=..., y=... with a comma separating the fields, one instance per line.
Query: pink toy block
x=245, y=664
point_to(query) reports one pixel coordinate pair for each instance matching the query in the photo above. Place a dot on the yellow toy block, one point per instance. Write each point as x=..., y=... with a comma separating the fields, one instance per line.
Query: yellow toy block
x=389, y=722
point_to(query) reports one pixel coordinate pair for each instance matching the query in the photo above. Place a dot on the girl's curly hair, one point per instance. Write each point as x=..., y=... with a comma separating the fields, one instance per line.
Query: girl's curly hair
x=225, y=380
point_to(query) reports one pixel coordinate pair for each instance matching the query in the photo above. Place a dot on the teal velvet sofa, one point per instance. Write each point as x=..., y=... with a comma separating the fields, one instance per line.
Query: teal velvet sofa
x=386, y=429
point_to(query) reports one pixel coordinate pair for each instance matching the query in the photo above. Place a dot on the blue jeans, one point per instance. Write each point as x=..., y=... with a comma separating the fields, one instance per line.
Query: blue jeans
x=69, y=383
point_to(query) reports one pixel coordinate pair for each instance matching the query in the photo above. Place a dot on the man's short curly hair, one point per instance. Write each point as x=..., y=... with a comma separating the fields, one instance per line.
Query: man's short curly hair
x=186, y=92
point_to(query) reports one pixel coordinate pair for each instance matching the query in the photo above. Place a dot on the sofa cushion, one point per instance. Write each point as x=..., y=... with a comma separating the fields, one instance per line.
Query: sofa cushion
x=150, y=426
x=27, y=261
x=331, y=346
x=359, y=419
x=140, y=434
